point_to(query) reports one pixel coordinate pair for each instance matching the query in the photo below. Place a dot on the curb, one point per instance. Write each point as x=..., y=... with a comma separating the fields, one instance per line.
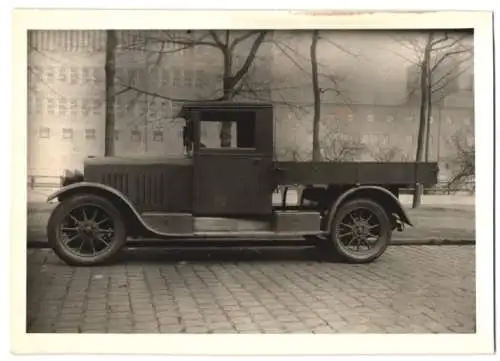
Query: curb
x=43, y=244
x=433, y=242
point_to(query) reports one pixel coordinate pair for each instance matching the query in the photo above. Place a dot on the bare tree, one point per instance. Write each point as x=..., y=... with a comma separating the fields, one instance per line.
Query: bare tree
x=289, y=153
x=438, y=61
x=316, y=151
x=110, y=70
x=323, y=79
x=336, y=146
x=226, y=42
x=385, y=153
x=463, y=159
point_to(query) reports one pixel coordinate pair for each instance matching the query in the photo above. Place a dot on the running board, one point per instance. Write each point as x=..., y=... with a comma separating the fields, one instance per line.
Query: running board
x=279, y=224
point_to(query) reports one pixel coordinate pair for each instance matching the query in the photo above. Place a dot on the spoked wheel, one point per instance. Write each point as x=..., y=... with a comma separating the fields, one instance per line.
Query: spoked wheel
x=360, y=232
x=86, y=230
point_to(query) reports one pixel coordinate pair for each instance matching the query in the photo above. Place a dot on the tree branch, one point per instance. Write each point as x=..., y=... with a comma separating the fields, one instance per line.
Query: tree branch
x=242, y=38
x=214, y=36
x=453, y=70
x=251, y=56
x=185, y=41
x=451, y=45
x=447, y=55
x=441, y=40
x=160, y=96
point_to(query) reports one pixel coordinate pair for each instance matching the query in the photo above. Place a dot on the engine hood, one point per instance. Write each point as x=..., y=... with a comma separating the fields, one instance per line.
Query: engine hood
x=137, y=160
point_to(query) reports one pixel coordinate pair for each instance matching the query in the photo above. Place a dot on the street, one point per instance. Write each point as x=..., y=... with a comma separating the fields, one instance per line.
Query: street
x=411, y=289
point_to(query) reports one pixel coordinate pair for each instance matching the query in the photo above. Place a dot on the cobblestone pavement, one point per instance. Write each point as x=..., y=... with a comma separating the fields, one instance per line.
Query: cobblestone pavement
x=417, y=289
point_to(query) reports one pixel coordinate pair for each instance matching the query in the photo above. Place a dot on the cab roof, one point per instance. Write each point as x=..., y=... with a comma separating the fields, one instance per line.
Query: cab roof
x=214, y=104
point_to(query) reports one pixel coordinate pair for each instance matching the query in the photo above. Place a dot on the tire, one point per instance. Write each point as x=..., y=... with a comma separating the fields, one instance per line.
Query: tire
x=378, y=222
x=104, y=243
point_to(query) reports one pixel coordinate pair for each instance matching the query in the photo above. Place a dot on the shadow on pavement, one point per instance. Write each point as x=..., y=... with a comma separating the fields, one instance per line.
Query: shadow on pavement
x=216, y=255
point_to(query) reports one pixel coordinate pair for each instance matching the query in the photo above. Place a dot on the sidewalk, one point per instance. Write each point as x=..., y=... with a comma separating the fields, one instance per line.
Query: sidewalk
x=438, y=219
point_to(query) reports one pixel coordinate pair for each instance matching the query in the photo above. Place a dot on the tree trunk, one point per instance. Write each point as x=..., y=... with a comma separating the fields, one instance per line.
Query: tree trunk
x=428, y=128
x=109, y=68
x=316, y=154
x=227, y=88
x=422, y=130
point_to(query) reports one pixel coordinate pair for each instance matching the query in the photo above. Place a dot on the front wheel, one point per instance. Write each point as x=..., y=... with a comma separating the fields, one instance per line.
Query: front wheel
x=86, y=230
x=360, y=231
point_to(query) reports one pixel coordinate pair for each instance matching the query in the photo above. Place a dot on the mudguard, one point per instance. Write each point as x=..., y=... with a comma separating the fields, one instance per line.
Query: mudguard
x=111, y=193
x=394, y=202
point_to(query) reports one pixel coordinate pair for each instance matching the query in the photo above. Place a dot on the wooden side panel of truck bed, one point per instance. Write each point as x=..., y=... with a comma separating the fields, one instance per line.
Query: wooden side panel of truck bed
x=364, y=173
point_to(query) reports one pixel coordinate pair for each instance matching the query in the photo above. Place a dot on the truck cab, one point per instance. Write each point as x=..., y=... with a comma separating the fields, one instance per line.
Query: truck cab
x=235, y=180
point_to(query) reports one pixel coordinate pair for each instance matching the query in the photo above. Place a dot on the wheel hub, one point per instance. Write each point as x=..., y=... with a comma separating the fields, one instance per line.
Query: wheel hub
x=87, y=228
x=360, y=230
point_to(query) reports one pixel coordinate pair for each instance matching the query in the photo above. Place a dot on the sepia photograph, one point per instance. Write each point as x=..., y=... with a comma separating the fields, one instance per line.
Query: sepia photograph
x=271, y=180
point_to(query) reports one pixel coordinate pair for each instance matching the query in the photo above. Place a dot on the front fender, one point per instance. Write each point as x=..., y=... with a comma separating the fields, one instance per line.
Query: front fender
x=81, y=186
x=389, y=200
x=117, y=197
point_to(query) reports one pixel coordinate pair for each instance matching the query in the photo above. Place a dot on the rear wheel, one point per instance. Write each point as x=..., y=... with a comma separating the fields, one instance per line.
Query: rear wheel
x=360, y=232
x=86, y=230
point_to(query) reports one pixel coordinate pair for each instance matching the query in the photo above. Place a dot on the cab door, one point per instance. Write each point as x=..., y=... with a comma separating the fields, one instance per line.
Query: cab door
x=235, y=181
x=229, y=183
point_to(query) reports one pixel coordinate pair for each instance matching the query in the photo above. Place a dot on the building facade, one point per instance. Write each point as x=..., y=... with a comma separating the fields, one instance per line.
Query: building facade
x=67, y=94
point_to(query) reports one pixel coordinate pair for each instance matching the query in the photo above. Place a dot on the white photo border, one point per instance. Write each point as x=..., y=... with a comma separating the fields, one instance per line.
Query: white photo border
x=480, y=342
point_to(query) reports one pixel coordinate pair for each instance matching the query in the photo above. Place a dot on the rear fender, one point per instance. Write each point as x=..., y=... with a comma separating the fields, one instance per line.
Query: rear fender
x=119, y=199
x=384, y=197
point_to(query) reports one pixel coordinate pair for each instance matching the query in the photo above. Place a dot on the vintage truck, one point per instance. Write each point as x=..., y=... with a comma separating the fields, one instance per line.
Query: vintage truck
x=348, y=210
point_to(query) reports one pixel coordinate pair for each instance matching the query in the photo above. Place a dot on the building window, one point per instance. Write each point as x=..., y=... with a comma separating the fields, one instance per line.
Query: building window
x=86, y=107
x=89, y=75
x=51, y=106
x=73, y=76
x=96, y=106
x=38, y=105
x=49, y=75
x=165, y=78
x=63, y=107
x=44, y=133
x=73, y=106
x=90, y=133
x=121, y=106
x=136, y=135
x=188, y=78
x=176, y=78
x=349, y=117
x=175, y=108
x=200, y=80
x=61, y=74
x=158, y=135
x=345, y=137
x=390, y=119
x=370, y=118
x=152, y=109
x=67, y=133
x=117, y=134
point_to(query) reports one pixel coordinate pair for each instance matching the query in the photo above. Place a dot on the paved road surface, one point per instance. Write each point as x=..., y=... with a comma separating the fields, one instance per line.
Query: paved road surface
x=411, y=289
